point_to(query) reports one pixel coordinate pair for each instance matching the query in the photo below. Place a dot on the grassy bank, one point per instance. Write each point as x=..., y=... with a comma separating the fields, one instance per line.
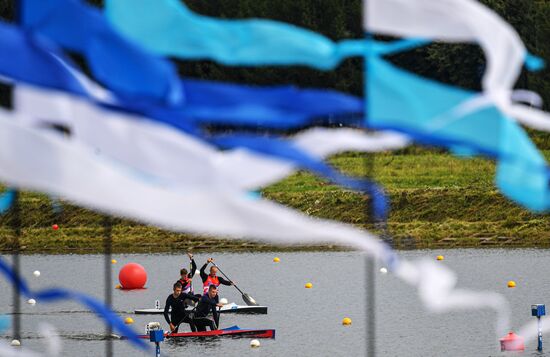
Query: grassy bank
x=436, y=201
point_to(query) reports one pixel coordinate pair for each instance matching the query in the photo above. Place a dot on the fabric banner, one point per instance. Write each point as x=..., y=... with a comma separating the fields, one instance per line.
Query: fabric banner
x=465, y=21
x=168, y=27
x=427, y=111
x=123, y=66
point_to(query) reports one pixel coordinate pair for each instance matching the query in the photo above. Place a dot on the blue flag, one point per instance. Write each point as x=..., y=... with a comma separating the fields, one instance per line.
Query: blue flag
x=118, y=63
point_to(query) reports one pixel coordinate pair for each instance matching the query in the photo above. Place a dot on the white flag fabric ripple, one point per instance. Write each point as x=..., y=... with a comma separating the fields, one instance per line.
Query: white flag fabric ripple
x=52, y=346
x=35, y=159
x=170, y=154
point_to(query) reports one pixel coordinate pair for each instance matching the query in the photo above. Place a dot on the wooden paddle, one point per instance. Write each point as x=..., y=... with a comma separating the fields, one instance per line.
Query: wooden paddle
x=249, y=300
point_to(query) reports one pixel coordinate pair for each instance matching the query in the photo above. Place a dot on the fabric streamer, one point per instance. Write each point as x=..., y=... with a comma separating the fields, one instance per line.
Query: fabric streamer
x=52, y=346
x=168, y=27
x=281, y=149
x=5, y=322
x=283, y=107
x=426, y=110
x=472, y=26
x=6, y=200
x=36, y=60
x=529, y=331
x=78, y=172
x=291, y=107
x=72, y=171
x=136, y=70
x=167, y=115
x=53, y=295
x=454, y=21
x=83, y=29
x=465, y=21
x=174, y=155
x=33, y=59
x=31, y=159
x=179, y=157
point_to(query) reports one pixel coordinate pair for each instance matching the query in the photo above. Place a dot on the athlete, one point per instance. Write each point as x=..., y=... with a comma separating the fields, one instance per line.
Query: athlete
x=212, y=278
x=207, y=305
x=176, y=301
x=186, y=278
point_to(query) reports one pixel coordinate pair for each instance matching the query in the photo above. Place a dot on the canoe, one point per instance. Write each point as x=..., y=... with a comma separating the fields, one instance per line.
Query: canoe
x=233, y=331
x=227, y=308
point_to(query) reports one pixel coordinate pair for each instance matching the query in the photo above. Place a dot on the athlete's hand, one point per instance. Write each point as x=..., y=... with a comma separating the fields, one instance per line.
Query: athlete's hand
x=172, y=327
x=219, y=305
x=190, y=255
x=209, y=260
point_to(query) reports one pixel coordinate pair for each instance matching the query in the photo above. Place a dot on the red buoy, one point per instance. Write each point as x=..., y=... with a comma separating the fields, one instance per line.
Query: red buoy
x=132, y=276
x=55, y=227
x=512, y=342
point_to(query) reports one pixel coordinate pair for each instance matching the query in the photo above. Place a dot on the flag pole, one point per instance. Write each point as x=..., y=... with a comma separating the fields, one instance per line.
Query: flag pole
x=108, y=289
x=16, y=246
x=16, y=226
x=370, y=262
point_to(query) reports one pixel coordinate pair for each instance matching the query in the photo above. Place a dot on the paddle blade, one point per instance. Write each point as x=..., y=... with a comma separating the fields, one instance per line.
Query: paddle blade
x=249, y=300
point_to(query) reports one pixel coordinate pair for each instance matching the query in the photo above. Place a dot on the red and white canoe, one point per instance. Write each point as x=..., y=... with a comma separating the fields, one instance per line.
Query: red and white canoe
x=233, y=331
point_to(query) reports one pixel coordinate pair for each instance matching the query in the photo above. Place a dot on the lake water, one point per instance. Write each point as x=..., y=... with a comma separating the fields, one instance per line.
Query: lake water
x=308, y=321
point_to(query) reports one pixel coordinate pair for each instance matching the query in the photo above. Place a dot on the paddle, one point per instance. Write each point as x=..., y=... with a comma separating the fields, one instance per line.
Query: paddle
x=249, y=300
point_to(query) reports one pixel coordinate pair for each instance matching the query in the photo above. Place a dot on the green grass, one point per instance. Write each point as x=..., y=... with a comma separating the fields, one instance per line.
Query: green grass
x=436, y=199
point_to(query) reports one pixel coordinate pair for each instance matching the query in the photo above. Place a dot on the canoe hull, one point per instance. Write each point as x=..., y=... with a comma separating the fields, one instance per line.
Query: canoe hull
x=244, y=333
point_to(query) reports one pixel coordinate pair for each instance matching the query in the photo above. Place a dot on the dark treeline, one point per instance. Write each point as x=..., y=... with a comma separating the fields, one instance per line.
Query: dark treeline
x=341, y=19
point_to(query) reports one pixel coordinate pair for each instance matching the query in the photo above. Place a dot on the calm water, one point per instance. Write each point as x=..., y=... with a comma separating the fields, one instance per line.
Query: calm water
x=308, y=321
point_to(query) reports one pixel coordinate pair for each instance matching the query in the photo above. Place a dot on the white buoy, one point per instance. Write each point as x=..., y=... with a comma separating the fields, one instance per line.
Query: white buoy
x=383, y=270
x=36, y=273
x=15, y=343
x=224, y=301
x=31, y=302
x=255, y=343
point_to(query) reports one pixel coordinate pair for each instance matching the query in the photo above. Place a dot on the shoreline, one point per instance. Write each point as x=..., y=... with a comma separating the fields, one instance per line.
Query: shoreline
x=202, y=245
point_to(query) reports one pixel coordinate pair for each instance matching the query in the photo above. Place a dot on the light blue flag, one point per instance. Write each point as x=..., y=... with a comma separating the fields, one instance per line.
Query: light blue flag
x=5, y=322
x=168, y=27
x=6, y=200
x=424, y=109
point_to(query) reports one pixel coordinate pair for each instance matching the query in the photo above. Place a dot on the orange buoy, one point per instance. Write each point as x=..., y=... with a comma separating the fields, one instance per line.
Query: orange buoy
x=132, y=276
x=512, y=342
